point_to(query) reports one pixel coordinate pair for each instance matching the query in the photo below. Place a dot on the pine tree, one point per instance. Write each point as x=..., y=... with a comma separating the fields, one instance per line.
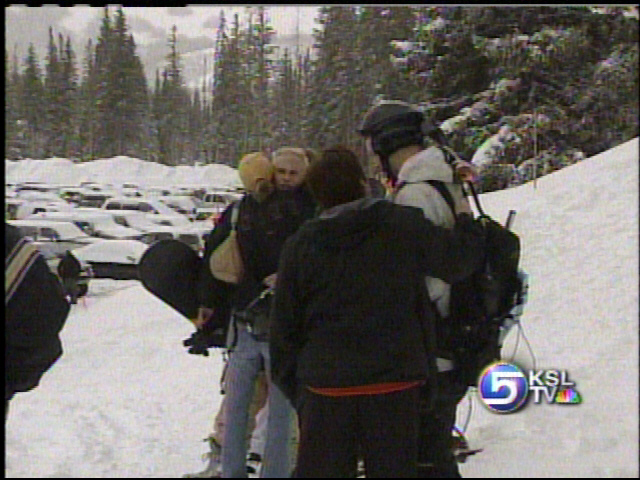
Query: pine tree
x=128, y=91
x=171, y=110
x=285, y=100
x=103, y=97
x=13, y=137
x=32, y=93
x=334, y=72
x=68, y=100
x=86, y=123
x=258, y=53
x=226, y=122
x=53, y=100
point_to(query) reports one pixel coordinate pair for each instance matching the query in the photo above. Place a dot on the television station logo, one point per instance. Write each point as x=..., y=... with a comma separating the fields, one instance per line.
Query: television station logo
x=504, y=387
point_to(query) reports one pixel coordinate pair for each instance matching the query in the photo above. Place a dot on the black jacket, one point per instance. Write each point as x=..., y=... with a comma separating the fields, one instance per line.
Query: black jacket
x=263, y=227
x=36, y=310
x=351, y=305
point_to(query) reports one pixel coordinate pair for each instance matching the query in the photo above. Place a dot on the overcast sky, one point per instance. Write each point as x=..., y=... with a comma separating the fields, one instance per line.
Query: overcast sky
x=147, y=23
x=150, y=25
x=196, y=26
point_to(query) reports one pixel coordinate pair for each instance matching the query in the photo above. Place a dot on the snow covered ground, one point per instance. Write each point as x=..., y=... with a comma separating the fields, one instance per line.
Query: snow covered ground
x=126, y=400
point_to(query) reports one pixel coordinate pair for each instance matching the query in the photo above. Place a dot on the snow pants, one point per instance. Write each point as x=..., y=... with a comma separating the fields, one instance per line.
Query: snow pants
x=435, y=457
x=335, y=431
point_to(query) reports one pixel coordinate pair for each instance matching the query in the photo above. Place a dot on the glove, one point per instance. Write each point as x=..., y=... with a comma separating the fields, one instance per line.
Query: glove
x=197, y=343
x=201, y=340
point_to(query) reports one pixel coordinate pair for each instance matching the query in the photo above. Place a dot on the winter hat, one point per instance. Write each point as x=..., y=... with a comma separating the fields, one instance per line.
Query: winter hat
x=254, y=167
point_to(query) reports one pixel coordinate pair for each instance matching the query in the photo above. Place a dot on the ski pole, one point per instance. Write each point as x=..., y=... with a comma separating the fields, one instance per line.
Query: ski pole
x=510, y=217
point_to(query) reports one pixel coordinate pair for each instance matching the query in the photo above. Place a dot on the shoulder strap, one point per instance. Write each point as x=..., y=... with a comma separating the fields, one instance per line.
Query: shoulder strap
x=452, y=157
x=440, y=187
x=234, y=215
x=446, y=194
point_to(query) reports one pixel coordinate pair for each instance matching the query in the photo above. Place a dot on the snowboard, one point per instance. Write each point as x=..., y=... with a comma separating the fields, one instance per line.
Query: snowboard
x=169, y=270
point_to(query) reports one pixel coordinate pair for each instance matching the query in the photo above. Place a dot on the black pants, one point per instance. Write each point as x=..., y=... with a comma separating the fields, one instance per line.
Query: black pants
x=335, y=431
x=435, y=450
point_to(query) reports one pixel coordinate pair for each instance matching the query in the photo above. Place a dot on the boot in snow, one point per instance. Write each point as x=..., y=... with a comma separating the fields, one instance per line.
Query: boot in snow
x=214, y=467
x=253, y=464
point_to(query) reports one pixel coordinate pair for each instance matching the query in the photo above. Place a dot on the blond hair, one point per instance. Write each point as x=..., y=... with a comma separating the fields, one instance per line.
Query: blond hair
x=295, y=153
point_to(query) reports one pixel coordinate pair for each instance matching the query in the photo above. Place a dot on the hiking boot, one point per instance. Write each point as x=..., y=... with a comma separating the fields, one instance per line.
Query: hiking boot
x=253, y=463
x=214, y=467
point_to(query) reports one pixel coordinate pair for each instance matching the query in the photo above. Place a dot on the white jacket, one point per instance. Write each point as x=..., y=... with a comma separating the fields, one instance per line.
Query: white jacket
x=430, y=164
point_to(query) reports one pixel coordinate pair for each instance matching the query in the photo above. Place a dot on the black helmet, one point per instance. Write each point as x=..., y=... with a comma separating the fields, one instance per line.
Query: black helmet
x=392, y=125
x=390, y=114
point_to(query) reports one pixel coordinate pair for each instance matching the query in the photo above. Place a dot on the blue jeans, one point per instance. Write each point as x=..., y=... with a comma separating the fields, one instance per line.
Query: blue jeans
x=279, y=454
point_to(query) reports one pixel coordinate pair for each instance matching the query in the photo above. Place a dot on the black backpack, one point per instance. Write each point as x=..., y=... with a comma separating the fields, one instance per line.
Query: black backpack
x=481, y=306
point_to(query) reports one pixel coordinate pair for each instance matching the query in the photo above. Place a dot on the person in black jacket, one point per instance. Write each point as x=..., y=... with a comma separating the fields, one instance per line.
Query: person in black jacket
x=69, y=270
x=351, y=337
x=36, y=310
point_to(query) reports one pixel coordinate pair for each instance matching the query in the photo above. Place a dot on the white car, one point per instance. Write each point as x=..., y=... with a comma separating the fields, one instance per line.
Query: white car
x=96, y=223
x=54, y=237
x=152, y=231
x=117, y=259
x=190, y=236
x=182, y=204
x=94, y=199
x=148, y=205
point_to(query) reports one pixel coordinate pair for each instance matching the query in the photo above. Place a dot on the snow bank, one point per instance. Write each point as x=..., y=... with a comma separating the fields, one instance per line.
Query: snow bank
x=118, y=170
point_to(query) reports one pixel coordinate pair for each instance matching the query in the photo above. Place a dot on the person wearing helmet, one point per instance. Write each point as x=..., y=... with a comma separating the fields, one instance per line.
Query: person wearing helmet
x=412, y=153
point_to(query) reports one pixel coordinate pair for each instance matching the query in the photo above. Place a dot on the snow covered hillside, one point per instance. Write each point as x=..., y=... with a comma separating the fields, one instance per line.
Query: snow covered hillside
x=126, y=400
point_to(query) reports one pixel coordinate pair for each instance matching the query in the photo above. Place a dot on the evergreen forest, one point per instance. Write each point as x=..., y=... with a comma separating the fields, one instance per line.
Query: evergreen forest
x=564, y=80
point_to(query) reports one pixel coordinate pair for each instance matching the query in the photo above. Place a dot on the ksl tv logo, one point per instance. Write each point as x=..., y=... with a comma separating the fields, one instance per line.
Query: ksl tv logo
x=504, y=387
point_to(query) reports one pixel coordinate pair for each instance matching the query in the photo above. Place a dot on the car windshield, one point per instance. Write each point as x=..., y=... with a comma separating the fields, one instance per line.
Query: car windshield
x=91, y=202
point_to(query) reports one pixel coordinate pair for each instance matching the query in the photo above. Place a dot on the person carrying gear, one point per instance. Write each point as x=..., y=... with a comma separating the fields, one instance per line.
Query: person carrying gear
x=412, y=153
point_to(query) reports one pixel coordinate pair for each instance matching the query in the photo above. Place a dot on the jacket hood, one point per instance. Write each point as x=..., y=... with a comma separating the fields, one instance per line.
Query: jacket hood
x=348, y=225
x=428, y=164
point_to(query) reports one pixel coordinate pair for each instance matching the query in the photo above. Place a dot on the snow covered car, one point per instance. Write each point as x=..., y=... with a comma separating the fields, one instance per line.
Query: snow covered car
x=190, y=236
x=55, y=237
x=116, y=259
x=13, y=207
x=158, y=212
x=18, y=208
x=182, y=204
x=94, y=199
x=95, y=222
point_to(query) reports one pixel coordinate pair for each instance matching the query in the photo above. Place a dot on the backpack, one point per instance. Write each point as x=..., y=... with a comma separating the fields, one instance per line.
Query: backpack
x=484, y=306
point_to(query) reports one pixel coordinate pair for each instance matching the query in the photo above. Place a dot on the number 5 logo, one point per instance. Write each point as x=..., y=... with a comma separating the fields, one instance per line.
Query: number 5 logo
x=503, y=387
x=503, y=379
